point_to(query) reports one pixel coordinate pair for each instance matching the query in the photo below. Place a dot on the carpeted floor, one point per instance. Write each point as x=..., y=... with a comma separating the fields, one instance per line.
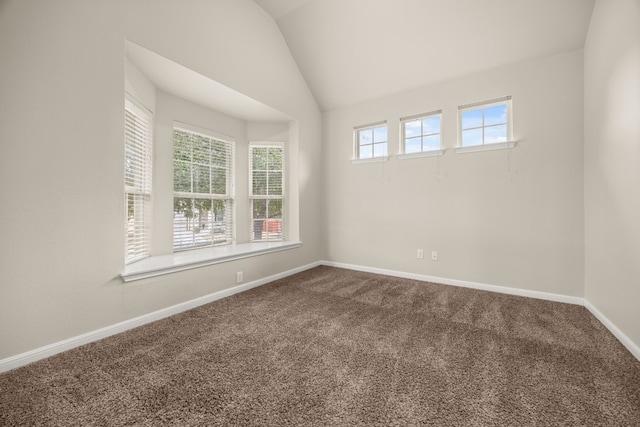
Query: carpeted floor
x=338, y=347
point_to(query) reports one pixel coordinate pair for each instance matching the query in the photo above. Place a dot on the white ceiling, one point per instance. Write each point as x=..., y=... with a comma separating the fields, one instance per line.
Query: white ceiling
x=355, y=50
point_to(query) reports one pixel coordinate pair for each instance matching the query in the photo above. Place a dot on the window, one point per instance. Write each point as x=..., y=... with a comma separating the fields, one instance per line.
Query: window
x=203, y=189
x=486, y=122
x=266, y=168
x=138, y=144
x=371, y=141
x=421, y=133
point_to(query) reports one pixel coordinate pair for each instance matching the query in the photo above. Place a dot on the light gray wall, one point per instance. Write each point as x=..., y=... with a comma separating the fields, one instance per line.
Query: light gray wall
x=507, y=217
x=61, y=146
x=612, y=163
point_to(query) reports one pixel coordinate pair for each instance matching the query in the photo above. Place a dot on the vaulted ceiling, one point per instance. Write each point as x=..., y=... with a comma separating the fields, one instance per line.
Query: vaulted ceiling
x=350, y=51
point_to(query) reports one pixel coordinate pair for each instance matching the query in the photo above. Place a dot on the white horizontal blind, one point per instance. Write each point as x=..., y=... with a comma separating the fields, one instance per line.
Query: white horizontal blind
x=203, y=190
x=138, y=146
x=267, y=191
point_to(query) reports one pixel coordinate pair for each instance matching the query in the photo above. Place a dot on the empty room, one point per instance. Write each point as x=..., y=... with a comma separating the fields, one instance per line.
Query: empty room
x=320, y=212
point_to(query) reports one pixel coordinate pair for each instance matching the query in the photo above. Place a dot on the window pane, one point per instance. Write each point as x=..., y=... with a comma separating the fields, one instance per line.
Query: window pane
x=275, y=209
x=181, y=176
x=366, y=151
x=183, y=222
x=130, y=207
x=131, y=227
x=365, y=136
x=181, y=146
x=380, y=134
x=259, y=184
x=495, y=115
x=495, y=134
x=471, y=137
x=256, y=229
x=471, y=119
x=219, y=181
x=219, y=154
x=201, y=150
x=412, y=145
x=136, y=245
x=203, y=221
x=275, y=184
x=259, y=158
x=192, y=223
x=431, y=125
x=220, y=210
x=272, y=229
x=259, y=208
x=275, y=158
x=380, y=150
x=431, y=142
x=412, y=129
x=201, y=177
x=202, y=208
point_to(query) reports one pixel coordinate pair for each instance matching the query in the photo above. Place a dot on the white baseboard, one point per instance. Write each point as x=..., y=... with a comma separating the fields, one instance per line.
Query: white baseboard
x=625, y=340
x=461, y=283
x=633, y=348
x=31, y=356
x=23, y=359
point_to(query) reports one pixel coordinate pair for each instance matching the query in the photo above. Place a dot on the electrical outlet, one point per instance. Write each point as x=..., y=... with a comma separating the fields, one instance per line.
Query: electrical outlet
x=239, y=277
x=420, y=254
x=434, y=256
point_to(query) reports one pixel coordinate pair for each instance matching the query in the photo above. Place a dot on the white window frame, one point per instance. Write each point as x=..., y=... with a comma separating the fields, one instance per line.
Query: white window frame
x=138, y=160
x=228, y=235
x=403, y=137
x=257, y=228
x=509, y=143
x=357, y=155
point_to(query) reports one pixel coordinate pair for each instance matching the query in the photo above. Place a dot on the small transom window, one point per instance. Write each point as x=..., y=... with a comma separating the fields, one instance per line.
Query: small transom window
x=421, y=133
x=486, y=122
x=371, y=141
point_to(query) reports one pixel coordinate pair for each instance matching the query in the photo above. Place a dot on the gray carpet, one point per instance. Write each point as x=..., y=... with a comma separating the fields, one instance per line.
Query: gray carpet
x=338, y=347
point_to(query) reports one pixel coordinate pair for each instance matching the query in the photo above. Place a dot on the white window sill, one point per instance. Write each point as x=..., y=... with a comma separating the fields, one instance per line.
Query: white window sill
x=370, y=160
x=486, y=147
x=430, y=153
x=186, y=260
